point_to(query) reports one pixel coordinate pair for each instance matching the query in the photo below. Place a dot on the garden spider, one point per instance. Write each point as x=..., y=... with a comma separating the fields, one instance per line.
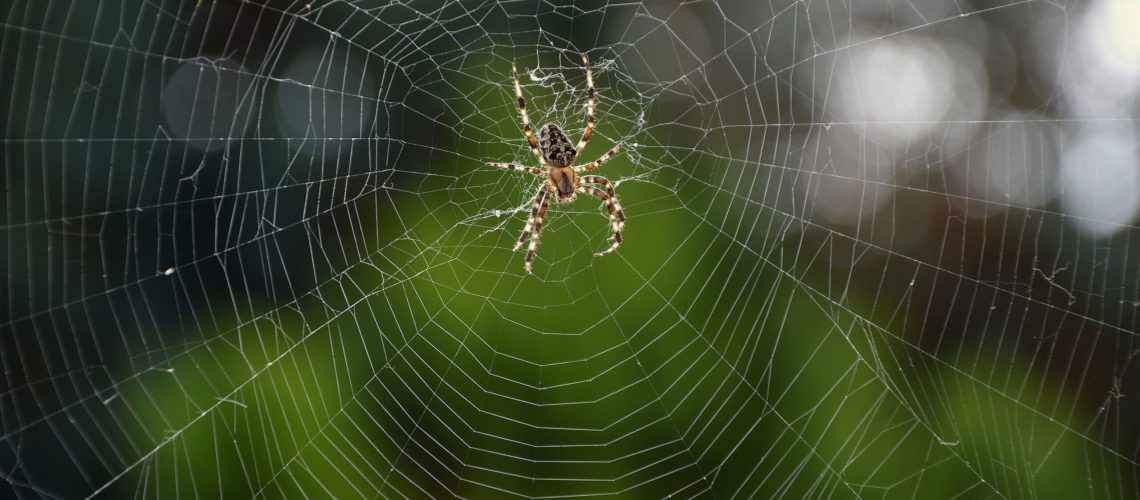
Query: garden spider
x=556, y=157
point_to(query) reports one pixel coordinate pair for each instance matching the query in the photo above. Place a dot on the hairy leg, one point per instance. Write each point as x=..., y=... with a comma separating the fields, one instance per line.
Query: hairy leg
x=615, y=223
x=527, y=129
x=614, y=205
x=589, y=106
x=597, y=163
x=521, y=168
x=539, y=201
x=534, y=236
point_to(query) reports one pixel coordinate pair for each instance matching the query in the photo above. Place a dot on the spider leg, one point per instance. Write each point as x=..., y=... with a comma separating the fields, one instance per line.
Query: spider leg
x=537, y=211
x=534, y=236
x=521, y=168
x=539, y=200
x=617, y=216
x=590, y=105
x=613, y=205
x=597, y=163
x=527, y=129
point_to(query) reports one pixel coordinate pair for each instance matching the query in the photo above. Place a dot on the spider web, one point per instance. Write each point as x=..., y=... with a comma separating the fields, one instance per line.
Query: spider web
x=875, y=249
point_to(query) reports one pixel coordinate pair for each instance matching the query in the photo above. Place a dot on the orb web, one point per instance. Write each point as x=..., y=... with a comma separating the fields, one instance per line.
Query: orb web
x=874, y=249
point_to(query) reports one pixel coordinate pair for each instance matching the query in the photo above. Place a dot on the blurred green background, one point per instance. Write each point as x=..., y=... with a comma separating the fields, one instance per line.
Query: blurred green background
x=883, y=249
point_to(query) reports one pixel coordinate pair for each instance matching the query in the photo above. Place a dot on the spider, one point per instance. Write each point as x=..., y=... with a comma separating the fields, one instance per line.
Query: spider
x=561, y=180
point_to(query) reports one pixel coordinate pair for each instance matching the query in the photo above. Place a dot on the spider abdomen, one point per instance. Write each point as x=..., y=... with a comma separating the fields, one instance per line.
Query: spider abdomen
x=556, y=147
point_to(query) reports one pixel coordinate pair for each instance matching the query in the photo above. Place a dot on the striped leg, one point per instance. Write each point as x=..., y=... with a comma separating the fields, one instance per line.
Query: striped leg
x=539, y=201
x=615, y=222
x=597, y=163
x=521, y=168
x=612, y=204
x=589, y=106
x=534, y=236
x=527, y=129
x=534, y=224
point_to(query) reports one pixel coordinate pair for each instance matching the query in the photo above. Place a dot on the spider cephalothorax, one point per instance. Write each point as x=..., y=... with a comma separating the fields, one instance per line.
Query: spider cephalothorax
x=556, y=155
